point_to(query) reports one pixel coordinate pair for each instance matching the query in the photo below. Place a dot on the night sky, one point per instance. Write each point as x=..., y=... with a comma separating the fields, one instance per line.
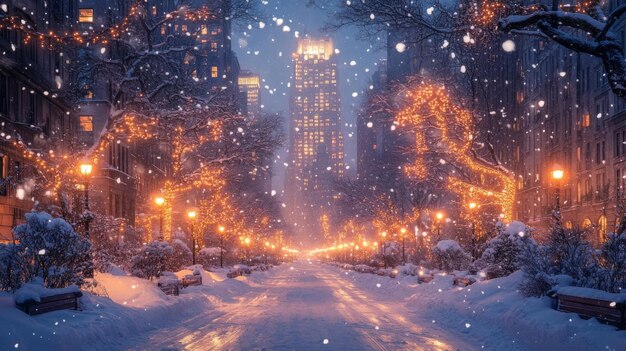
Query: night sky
x=266, y=49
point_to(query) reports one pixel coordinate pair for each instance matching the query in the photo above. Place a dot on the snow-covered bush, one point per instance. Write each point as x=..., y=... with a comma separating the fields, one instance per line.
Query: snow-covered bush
x=448, y=255
x=181, y=256
x=209, y=256
x=114, y=242
x=566, y=256
x=503, y=254
x=11, y=266
x=612, y=264
x=53, y=251
x=152, y=260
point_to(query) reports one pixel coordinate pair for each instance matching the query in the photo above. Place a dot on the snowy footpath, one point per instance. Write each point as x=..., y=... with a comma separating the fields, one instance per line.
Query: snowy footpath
x=308, y=306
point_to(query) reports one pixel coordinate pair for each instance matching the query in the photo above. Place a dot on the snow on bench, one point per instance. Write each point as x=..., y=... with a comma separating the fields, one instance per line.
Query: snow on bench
x=591, y=303
x=191, y=280
x=464, y=281
x=33, y=298
x=169, y=284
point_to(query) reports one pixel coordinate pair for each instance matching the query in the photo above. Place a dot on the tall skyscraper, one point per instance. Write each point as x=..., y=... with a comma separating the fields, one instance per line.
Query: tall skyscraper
x=315, y=139
x=250, y=84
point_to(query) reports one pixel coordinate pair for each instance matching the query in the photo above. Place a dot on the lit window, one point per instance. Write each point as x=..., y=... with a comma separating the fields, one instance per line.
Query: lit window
x=85, y=15
x=586, y=120
x=214, y=72
x=86, y=123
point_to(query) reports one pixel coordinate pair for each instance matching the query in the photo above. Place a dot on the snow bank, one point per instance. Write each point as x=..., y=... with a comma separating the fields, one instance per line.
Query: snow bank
x=493, y=312
x=134, y=306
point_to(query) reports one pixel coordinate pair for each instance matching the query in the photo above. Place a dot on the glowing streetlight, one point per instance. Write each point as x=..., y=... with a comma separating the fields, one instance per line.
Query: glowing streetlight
x=159, y=201
x=439, y=216
x=85, y=171
x=557, y=175
x=191, y=215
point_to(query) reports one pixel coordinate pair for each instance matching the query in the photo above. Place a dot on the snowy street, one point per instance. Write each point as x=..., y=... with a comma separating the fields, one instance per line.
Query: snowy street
x=309, y=307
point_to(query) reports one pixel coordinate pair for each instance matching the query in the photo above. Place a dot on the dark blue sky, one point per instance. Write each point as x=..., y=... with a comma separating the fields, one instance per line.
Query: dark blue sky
x=268, y=50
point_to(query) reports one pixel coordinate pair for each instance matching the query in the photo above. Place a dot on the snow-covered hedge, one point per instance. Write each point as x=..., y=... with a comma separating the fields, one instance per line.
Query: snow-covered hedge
x=50, y=249
x=180, y=257
x=114, y=243
x=566, y=258
x=152, y=260
x=448, y=255
x=503, y=254
x=209, y=256
x=11, y=266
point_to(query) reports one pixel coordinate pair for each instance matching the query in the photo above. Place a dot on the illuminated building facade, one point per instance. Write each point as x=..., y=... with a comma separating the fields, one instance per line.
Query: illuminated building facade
x=30, y=109
x=249, y=83
x=316, y=155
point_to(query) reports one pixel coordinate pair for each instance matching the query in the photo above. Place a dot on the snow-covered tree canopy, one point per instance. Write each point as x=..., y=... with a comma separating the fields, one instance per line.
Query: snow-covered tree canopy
x=591, y=32
x=584, y=27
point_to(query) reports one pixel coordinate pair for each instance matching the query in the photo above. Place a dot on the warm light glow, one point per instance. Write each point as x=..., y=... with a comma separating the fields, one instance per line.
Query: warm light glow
x=191, y=214
x=159, y=201
x=431, y=107
x=439, y=215
x=85, y=169
x=472, y=205
x=557, y=174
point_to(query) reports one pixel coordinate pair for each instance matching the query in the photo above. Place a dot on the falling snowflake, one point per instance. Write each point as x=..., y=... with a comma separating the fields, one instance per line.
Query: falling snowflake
x=508, y=46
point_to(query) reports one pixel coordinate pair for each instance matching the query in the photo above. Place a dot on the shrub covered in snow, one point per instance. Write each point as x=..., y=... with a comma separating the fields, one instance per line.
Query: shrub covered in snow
x=566, y=256
x=181, y=256
x=611, y=261
x=209, y=256
x=11, y=267
x=448, y=255
x=114, y=242
x=152, y=260
x=503, y=254
x=52, y=250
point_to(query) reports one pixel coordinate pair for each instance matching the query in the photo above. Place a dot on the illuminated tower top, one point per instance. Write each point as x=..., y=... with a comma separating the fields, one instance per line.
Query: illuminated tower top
x=311, y=49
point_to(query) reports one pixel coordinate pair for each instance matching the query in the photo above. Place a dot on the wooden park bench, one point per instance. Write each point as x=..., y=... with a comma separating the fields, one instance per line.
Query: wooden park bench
x=463, y=281
x=169, y=289
x=608, y=309
x=425, y=278
x=234, y=273
x=51, y=303
x=191, y=280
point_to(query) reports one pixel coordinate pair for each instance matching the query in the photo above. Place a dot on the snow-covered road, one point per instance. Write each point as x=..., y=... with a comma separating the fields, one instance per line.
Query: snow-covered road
x=302, y=307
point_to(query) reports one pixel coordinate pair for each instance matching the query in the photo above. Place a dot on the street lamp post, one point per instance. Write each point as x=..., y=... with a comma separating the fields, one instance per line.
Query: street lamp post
x=221, y=230
x=439, y=217
x=557, y=175
x=191, y=214
x=85, y=171
x=472, y=206
x=246, y=241
x=403, y=232
x=160, y=201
